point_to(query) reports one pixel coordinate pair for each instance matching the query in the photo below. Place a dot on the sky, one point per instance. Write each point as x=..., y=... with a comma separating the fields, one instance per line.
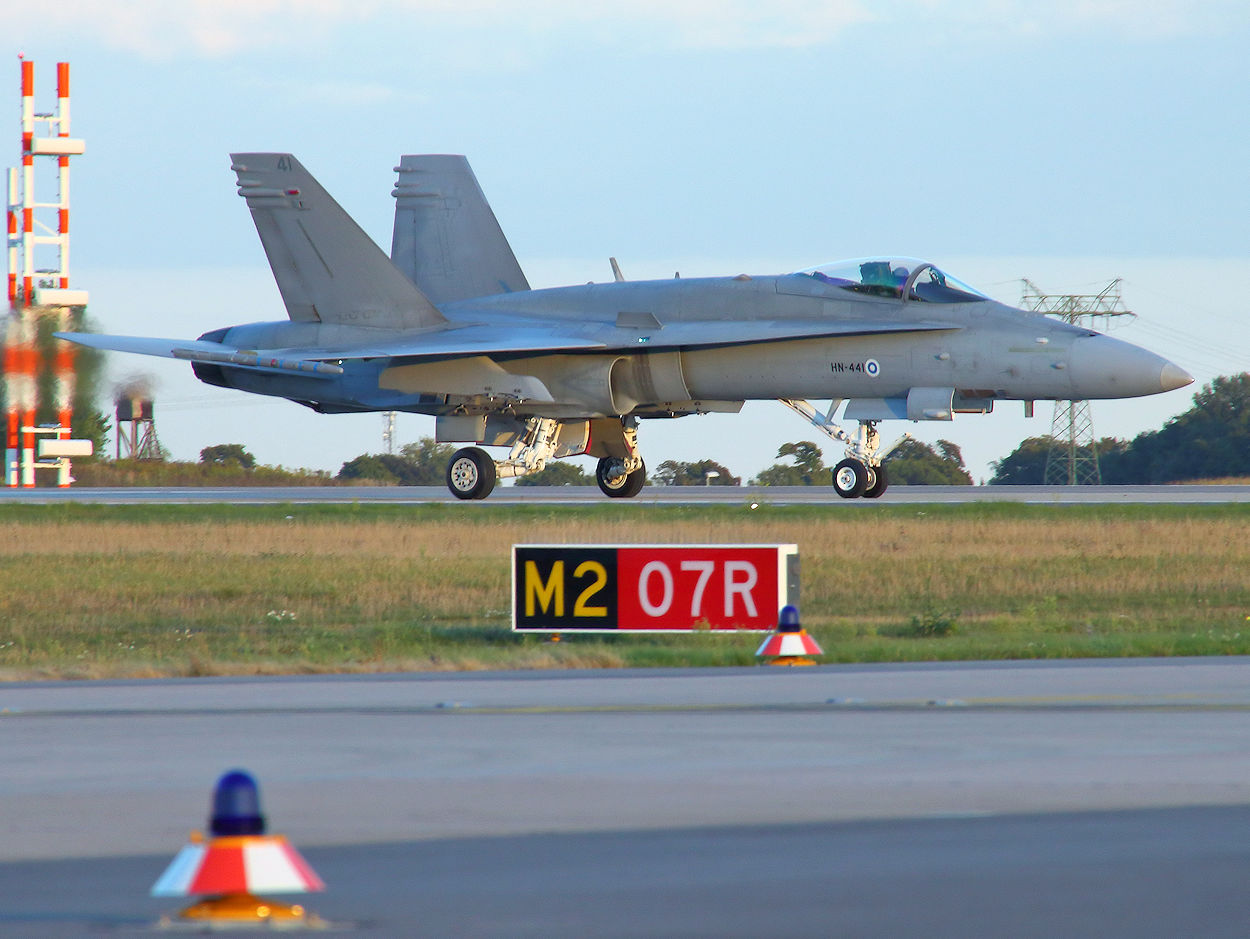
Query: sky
x=1069, y=142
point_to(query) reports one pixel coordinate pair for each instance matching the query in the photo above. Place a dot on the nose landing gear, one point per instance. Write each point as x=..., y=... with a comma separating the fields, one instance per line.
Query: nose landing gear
x=862, y=473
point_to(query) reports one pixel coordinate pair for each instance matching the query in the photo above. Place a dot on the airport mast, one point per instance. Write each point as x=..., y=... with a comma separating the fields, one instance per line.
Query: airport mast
x=36, y=294
x=388, y=430
x=1073, y=456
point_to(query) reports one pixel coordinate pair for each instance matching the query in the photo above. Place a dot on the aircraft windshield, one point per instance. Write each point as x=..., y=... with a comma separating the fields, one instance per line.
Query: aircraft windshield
x=886, y=277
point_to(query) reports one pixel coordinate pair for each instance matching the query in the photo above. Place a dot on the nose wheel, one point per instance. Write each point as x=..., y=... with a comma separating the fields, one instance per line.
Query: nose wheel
x=850, y=478
x=853, y=478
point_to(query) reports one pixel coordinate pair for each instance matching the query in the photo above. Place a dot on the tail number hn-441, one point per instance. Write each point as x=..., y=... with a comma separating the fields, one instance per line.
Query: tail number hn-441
x=651, y=587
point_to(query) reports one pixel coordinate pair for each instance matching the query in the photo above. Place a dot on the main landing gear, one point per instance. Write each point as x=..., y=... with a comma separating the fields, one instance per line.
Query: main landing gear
x=622, y=477
x=862, y=473
x=618, y=482
x=472, y=473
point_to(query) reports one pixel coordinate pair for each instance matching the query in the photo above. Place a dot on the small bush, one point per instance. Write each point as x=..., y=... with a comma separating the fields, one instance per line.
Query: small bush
x=931, y=624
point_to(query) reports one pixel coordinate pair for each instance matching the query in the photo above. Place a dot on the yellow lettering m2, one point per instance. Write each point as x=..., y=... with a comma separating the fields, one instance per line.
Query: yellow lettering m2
x=544, y=596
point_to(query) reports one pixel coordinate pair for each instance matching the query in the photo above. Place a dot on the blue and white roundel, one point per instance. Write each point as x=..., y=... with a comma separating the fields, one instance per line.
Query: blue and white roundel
x=872, y=368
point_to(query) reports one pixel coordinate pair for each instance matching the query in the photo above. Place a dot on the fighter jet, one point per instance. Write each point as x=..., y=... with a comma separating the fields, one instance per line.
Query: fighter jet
x=448, y=326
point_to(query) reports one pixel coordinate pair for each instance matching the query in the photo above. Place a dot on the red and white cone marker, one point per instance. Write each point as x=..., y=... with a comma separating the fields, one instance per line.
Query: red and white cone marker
x=237, y=863
x=790, y=644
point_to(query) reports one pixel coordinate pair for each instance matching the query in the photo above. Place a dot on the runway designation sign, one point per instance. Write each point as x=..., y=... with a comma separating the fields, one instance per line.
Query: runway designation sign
x=656, y=588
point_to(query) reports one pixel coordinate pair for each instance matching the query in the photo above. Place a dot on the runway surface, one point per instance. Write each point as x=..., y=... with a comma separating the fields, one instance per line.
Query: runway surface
x=1054, y=798
x=651, y=495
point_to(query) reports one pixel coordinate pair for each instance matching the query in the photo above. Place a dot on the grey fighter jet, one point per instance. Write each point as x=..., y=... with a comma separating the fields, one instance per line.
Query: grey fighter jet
x=448, y=326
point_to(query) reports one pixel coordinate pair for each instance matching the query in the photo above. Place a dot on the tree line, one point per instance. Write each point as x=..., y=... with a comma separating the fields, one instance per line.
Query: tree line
x=1209, y=441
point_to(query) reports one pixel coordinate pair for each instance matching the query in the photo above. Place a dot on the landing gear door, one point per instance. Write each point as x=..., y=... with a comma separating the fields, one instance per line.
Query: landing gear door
x=572, y=438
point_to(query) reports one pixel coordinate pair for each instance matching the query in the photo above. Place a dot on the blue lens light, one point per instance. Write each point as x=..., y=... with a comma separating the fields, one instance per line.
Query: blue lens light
x=236, y=806
x=788, y=619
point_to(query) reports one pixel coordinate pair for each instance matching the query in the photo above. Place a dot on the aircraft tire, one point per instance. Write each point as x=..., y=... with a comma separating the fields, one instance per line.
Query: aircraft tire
x=850, y=478
x=471, y=473
x=879, y=484
x=623, y=487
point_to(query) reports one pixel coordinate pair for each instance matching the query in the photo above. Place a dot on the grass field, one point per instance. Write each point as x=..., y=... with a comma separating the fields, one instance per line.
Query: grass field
x=109, y=591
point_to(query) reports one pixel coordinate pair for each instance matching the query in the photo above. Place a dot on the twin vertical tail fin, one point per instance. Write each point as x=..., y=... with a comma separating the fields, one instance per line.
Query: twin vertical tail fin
x=327, y=269
x=447, y=239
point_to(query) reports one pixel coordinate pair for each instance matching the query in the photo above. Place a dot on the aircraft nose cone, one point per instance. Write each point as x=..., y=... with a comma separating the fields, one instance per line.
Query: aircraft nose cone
x=1173, y=377
x=1102, y=367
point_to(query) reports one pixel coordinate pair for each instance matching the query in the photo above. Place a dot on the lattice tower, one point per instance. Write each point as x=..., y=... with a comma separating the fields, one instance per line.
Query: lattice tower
x=1073, y=456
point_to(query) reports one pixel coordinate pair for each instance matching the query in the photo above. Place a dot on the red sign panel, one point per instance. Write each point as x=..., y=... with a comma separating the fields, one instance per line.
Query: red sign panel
x=651, y=587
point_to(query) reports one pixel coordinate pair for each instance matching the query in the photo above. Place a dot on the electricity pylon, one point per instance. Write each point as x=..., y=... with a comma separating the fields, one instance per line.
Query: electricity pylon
x=1073, y=456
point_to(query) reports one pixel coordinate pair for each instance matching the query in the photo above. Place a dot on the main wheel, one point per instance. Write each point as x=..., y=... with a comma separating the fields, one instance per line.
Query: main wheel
x=850, y=478
x=879, y=482
x=622, y=487
x=471, y=473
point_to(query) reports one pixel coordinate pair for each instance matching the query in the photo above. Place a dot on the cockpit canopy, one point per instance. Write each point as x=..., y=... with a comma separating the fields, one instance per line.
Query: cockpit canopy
x=890, y=277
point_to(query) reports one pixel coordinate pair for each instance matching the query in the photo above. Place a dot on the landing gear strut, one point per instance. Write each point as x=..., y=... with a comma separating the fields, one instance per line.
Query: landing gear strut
x=862, y=473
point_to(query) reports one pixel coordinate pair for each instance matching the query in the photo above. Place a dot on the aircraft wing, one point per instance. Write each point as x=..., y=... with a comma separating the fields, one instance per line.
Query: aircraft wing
x=322, y=362
x=198, y=350
x=537, y=338
x=489, y=339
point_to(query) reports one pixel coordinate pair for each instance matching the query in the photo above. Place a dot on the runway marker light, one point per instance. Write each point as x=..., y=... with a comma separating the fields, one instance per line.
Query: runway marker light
x=236, y=806
x=789, y=644
x=238, y=861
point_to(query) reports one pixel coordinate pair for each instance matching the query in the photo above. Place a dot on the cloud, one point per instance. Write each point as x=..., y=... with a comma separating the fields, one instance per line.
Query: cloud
x=164, y=29
x=220, y=28
x=1013, y=20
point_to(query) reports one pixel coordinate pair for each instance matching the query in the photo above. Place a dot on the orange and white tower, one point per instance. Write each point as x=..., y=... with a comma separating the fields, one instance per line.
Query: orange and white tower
x=37, y=230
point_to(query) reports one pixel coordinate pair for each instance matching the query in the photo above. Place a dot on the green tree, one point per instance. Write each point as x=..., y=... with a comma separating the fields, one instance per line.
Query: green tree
x=1209, y=441
x=676, y=473
x=374, y=467
x=90, y=423
x=420, y=463
x=227, y=454
x=808, y=468
x=913, y=463
x=557, y=473
x=427, y=460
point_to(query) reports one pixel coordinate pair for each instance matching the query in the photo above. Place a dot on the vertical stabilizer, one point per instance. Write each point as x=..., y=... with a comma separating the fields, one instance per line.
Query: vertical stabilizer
x=328, y=270
x=447, y=239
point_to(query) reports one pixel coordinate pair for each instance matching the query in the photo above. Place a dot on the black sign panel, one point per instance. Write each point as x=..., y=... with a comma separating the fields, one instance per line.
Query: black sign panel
x=564, y=588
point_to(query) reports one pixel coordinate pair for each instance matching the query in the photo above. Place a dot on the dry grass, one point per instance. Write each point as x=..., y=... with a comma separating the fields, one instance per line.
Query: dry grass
x=107, y=592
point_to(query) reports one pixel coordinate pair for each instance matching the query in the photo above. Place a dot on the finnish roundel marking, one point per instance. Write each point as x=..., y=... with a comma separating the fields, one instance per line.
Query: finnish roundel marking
x=872, y=368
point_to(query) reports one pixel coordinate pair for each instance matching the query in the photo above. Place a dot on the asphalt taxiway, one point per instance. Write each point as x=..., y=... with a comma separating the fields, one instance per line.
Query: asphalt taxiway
x=1091, y=797
x=651, y=495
